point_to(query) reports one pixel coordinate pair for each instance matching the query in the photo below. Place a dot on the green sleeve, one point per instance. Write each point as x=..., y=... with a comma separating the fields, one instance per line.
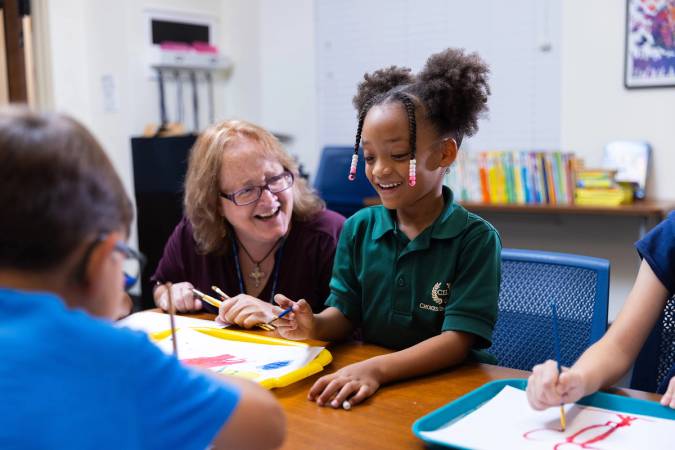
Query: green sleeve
x=472, y=306
x=345, y=287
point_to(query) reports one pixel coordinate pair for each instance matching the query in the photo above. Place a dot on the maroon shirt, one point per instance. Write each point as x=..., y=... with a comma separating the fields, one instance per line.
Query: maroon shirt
x=305, y=271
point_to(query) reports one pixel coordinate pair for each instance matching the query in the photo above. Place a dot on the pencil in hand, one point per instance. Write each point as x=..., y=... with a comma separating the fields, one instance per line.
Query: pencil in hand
x=269, y=325
x=220, y=292
x=556, y=344
x=172, y=321
x=207, y=298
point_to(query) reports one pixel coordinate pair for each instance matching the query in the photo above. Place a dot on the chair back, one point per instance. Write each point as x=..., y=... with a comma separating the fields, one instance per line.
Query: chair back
x=657, y=355
x=531, y=280
x=332, y=184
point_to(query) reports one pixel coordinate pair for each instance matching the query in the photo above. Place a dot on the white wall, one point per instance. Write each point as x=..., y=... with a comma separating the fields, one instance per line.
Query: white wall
x=272, y=45
x=288, y=75
x=596, y=108
x=88, y=40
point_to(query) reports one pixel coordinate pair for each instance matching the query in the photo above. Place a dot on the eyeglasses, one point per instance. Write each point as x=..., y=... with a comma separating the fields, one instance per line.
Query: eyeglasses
x=251, y=194
x=132, y=267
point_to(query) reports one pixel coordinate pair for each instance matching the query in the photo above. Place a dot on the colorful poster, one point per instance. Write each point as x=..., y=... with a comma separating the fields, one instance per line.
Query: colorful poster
x=650, y=43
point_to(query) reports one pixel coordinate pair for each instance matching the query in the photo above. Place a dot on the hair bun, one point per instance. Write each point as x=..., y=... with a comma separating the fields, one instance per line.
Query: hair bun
x=379, y=82
x=454, y=87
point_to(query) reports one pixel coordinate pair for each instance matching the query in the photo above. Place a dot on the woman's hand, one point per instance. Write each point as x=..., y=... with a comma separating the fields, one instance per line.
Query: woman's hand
x=545, y=388
x=298, y=324
x=668, y=398
x=353, y=383
x=181, y=294
x=247, y=311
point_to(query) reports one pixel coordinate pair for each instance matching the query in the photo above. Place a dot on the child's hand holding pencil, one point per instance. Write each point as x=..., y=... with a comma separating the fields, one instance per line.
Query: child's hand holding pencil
x=298, y=323
x=546, y=388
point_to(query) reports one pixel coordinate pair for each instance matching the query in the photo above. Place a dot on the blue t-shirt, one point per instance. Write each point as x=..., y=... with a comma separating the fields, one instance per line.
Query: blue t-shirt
x=658, y=249
x=68, y=380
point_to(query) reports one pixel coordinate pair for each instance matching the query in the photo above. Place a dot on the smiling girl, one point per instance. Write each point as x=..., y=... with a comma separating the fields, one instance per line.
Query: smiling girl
x=419, y=274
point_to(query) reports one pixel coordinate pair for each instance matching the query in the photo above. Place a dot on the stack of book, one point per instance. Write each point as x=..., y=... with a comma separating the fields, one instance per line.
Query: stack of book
x=513, y=177
x=598, y=187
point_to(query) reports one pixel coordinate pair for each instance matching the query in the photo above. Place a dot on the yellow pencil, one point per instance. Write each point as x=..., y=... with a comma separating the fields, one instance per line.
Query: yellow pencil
x=562, y=417
x=219, y=291
x=207, y=298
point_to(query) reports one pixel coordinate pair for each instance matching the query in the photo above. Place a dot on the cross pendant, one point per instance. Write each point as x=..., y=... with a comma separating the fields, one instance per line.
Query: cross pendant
x=257, y=275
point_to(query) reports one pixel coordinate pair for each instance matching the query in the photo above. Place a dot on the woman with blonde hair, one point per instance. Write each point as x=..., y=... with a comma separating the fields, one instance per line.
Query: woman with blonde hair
x=252, y=227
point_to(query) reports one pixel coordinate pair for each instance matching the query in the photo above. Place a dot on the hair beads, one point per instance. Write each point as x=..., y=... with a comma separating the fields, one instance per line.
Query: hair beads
x=352, y=168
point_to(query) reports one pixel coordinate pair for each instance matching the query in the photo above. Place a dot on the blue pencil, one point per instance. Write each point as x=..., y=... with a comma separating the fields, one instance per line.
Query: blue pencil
x=284, y=312
x=556, y=344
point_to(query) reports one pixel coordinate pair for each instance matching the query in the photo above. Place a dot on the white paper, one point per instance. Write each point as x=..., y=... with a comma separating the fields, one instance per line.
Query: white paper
x=507, y=422
x=250, y=360
x=152, y=322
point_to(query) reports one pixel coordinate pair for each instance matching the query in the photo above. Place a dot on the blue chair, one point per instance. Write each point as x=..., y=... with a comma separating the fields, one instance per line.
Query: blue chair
x=658, y=353
x=531, y=280
x=340, y=194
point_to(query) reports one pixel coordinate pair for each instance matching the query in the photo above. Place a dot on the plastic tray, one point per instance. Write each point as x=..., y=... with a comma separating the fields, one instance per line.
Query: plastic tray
x=469, y=402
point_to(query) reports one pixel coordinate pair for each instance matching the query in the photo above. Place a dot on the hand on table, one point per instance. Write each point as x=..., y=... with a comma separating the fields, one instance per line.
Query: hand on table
x=352, y=384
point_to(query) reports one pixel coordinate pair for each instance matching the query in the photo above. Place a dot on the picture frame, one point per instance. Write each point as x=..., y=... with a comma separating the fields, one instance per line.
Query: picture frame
x=650, y=44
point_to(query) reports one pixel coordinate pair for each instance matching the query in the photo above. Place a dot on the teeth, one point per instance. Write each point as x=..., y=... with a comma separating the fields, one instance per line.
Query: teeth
x=273, y=212
x=389, y=186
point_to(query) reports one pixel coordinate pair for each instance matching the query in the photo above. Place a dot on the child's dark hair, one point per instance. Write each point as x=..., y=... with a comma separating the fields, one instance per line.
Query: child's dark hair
x=452, y=89
x=58, y=189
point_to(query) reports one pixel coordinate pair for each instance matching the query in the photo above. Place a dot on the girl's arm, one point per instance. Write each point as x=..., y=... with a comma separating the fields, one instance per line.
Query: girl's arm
x=331, y=325
x=356, y=382
x=605, y=362
x=446, y=349
x=611, y=357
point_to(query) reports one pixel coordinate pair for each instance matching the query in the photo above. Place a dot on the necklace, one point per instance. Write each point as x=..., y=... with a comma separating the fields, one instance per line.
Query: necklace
x=256, y=274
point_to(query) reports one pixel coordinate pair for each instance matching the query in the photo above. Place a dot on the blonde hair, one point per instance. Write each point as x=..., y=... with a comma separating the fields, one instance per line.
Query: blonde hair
x=202, y=181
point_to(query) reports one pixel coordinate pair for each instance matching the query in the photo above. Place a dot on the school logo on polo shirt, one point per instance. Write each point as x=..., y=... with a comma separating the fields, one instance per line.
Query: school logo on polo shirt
x=439, y=295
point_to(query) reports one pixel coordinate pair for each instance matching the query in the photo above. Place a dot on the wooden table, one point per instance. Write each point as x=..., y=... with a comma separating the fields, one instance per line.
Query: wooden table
x=384, y=421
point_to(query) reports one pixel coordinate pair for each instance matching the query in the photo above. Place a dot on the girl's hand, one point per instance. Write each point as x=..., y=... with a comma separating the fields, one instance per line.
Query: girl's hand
x=246, y=311
x=668, y=398
x=298, y=324
x=353, y=384
x=181, y=294
x=546, y=389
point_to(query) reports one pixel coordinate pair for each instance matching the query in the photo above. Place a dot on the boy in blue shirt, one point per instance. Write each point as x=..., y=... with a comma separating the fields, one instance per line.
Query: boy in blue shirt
x=68, y=378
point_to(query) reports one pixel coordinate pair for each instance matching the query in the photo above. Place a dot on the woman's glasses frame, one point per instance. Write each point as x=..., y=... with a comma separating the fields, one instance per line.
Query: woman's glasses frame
x=256, y=191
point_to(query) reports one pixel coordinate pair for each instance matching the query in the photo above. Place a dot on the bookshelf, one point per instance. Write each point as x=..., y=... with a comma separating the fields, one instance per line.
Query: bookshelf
x=650, y=212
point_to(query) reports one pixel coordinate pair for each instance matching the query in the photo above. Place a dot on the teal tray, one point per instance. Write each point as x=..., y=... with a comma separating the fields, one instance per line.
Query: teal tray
x=469, y=402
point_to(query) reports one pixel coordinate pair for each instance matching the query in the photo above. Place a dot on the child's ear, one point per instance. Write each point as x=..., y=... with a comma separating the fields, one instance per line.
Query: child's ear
x=98, y=262
x=448, y=152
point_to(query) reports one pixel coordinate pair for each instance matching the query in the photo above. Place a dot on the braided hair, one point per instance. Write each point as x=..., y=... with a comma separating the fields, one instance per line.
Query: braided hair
x=452, y=90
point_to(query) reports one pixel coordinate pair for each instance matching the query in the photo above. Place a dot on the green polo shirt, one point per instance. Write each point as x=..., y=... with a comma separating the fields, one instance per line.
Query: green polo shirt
x=402, y=292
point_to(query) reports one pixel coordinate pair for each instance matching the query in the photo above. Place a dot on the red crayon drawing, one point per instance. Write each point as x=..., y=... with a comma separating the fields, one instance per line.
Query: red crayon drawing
x=213, y=361
x=584, y=438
